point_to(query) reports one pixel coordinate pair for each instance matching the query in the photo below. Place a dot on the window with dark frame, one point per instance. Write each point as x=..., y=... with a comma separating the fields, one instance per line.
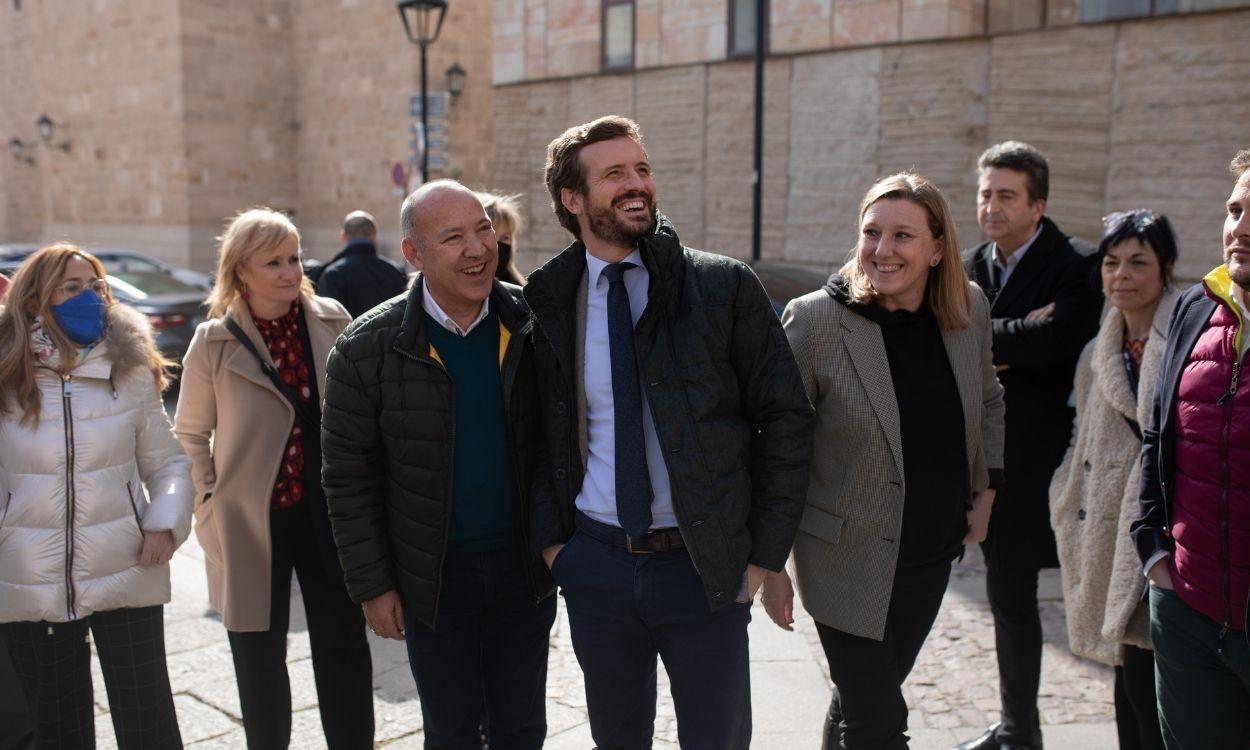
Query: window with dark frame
x=1094, y=11
x=742, y=27
x=618, y=34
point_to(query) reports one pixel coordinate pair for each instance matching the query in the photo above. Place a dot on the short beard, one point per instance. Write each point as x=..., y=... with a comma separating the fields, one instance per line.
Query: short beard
x=604, y=224
x=1240, y=276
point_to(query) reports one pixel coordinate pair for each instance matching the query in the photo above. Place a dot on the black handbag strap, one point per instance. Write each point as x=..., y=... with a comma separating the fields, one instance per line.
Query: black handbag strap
x=302, y=410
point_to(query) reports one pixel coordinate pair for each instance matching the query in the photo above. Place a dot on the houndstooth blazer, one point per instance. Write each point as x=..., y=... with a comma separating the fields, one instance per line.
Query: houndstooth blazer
x=847, y=547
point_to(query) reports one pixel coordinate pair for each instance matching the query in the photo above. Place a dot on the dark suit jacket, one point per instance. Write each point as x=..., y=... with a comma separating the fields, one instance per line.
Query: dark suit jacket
x=1040, y=359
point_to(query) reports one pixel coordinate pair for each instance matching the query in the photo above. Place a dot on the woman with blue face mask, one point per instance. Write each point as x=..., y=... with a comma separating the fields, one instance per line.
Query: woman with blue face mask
x=95, y=496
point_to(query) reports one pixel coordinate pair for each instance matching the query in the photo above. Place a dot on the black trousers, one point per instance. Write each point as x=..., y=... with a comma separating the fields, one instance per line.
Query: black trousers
x=342, y=668
x=17, y=732
x=1018, y=642
x=868, y=674
x=53, y=665
x=1136, y=708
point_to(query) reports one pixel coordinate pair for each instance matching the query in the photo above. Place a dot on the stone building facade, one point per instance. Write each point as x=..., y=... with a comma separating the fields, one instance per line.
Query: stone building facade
x=1136, y=103
x=182, y=112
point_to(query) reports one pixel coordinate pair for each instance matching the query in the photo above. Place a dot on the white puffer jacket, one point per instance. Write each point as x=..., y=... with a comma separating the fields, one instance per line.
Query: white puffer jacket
x=73, y=486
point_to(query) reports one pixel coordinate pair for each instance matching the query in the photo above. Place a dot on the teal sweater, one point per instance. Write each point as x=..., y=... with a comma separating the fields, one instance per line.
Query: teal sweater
x=484, y=509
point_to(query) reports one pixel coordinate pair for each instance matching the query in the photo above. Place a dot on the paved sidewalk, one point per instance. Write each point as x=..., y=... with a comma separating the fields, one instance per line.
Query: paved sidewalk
x=953, y=690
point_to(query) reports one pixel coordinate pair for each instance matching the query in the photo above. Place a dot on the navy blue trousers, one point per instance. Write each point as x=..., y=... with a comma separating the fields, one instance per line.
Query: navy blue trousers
x=487, y=651
x=627, y=608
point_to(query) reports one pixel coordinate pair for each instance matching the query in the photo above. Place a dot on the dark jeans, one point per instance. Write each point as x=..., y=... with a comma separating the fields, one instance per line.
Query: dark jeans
x=1018, y=643
x=869, y=674
x=342, y=668
x=1203, y=679
x=53, y=664
x=624, y=610
x=1136, y=708
x=487, y=653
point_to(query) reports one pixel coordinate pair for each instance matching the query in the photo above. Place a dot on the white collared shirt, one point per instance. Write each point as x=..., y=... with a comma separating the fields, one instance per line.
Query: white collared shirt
x=430, y=305
x=597, y=497
x=1006, y=267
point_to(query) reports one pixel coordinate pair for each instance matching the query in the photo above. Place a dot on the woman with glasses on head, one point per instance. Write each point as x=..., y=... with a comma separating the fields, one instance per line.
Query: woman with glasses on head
x=96, y=495
x=249, y=415
x=1093, y=497
x=895, y=356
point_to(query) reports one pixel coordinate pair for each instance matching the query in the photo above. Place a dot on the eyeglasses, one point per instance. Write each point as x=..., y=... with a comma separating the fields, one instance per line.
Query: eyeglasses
x=1138, y=219
x=75, y=287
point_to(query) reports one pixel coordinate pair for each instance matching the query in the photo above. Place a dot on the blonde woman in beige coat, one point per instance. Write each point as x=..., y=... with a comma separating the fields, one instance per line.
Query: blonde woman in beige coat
x=249, y=415
x=895, y=356
x=1094, y=494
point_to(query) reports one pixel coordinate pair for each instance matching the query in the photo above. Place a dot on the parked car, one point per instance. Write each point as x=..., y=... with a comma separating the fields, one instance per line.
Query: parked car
x=121, y=261
x=785, y=281
x=173, y=308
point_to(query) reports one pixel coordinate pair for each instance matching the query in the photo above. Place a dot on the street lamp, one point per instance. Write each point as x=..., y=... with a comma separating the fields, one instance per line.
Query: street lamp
x=18, y=149
x=47, y=129
x=455, y=80
x=423, y=19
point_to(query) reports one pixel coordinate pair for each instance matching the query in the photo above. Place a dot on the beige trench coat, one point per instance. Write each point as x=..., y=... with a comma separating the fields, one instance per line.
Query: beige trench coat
x=234, y=425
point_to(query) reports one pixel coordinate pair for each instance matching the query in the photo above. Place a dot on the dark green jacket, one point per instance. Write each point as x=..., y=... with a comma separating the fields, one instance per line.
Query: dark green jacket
x=729, y=407
x=388, y=438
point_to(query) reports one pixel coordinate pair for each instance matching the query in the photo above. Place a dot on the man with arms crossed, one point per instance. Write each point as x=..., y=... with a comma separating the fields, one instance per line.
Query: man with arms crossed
x=677, y=437
x=1044, y=308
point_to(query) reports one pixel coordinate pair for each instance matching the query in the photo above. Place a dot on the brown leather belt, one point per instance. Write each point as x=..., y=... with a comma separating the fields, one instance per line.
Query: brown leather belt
x=655, y=540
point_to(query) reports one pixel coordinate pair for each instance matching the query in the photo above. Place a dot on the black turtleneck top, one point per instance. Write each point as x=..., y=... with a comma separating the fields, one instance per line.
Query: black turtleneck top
x=931, y=419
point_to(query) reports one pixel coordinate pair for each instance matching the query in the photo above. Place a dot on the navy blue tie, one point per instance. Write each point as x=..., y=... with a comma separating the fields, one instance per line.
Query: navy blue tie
x=633, y=483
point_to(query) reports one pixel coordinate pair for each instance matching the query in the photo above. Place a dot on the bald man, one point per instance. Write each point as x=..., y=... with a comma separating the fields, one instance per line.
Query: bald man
x=358, y=277
x=429, y=435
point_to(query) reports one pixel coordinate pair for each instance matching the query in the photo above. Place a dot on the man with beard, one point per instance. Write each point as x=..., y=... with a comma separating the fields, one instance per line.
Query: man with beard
x=677, y=437
x=1193, y=535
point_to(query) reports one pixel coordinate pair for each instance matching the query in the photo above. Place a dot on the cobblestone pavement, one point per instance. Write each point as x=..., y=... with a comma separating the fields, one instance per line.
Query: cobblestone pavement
x=952, y=691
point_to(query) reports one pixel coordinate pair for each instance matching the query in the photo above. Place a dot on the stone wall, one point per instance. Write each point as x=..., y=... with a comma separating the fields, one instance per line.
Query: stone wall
x=111, y=77
x=237, y=70
x=1137, y=113
x=183, y=113
x=356, y=72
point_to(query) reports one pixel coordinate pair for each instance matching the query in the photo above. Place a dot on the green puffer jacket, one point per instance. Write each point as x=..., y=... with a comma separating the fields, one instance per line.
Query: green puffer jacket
x=729, y=407
x=387, y=444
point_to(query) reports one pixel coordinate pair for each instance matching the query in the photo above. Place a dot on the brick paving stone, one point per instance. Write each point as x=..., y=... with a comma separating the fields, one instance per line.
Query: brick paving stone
x=952, y=692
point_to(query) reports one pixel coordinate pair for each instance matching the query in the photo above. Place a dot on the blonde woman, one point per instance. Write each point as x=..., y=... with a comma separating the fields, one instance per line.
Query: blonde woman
x=249, y=415
x=504, y=212
x=96, y=496
x=895, y=356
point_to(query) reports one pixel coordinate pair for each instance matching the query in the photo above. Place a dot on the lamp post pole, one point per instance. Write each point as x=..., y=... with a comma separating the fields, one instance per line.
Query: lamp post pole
x=761, y=34
x=425, y=120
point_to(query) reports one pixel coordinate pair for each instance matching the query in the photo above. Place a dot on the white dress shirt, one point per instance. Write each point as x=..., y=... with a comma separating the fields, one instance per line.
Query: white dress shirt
x=597, y=498
x=430, y=305
x=1008, y=266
